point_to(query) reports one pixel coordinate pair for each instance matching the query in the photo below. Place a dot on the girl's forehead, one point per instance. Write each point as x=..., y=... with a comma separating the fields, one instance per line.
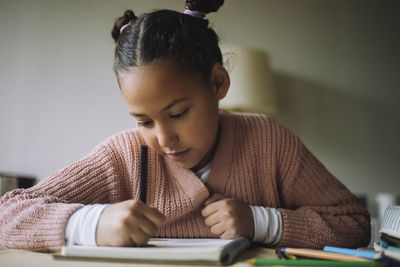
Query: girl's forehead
x=158, y=85
x=161, y=77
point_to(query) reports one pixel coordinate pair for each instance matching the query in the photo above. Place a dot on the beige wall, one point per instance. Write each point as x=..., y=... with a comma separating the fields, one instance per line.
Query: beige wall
x=335, y=64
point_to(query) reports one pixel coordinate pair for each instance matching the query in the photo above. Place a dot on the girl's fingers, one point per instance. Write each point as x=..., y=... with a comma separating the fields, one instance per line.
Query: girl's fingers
x=209, y=210
x=212, y=220
x=148, y=227
x=139, y=208
x=154, y=216
x=212, y=205
x=217, y=229
x=151, y=213
x=139, y=221
x=139, y=238
x=126, y=223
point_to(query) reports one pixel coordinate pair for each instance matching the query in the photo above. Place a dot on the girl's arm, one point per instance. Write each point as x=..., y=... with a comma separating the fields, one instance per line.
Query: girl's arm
x=35, y=218
x=317, y=209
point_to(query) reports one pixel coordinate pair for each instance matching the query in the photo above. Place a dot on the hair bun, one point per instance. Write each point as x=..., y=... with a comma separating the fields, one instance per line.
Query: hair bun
x=205, y=6
x=128, y=17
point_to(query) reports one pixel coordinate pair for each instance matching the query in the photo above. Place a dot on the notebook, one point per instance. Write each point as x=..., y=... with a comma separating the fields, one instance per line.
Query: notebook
x=201, y=250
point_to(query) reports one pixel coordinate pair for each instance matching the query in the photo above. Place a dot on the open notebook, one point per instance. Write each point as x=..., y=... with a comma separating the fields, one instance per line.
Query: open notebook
x=202, y=250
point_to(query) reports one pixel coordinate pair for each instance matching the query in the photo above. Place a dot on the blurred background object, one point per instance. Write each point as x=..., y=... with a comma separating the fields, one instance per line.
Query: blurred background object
x=384, y=200
x=251, y=88
x=9, y=181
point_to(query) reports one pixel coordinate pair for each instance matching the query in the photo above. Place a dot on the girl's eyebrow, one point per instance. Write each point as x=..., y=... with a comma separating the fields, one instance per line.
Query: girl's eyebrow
x=170, y=105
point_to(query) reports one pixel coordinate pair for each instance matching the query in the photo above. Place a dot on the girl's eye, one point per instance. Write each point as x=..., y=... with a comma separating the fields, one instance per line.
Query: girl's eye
x=179, y=115
x=144, y=123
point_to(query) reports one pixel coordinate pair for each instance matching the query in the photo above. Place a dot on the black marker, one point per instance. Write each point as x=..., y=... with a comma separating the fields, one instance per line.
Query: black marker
x=143, y=174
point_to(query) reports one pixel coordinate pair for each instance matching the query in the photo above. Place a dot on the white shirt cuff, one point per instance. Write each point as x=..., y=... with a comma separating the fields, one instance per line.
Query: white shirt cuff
x=267, y=225
x=81, y=226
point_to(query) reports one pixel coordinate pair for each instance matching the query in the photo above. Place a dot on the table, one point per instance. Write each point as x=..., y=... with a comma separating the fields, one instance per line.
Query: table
x=22, y=258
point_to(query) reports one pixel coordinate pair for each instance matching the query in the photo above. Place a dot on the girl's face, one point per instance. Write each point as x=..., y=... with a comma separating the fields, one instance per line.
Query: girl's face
x=177, y=112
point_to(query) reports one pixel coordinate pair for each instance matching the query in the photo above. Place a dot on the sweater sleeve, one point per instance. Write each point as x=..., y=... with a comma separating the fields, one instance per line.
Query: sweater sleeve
x=316, y=208
x=35, y=218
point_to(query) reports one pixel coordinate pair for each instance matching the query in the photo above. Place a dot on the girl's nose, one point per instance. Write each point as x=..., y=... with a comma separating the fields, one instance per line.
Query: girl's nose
x=167, y=138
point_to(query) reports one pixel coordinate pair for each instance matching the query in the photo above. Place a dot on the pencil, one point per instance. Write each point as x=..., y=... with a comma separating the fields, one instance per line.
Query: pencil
x=143, y=174
x=271, y=262
x=313, y=253
x=354, y=252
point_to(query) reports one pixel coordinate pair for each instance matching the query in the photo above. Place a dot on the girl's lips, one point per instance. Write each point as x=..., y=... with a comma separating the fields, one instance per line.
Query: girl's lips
x=179, y=155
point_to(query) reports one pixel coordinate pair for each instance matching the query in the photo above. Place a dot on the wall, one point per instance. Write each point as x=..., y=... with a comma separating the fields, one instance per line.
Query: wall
x=335, y=67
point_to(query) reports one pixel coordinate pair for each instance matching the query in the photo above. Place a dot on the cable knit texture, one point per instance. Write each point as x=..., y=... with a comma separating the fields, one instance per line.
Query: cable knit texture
x=257, y=161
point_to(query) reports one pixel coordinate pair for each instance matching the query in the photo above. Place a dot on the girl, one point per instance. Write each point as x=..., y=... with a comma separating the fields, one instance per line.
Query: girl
x=211, y=173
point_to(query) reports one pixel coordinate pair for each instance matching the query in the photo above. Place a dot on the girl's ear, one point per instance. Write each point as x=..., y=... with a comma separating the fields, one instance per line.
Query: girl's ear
x=220, y=81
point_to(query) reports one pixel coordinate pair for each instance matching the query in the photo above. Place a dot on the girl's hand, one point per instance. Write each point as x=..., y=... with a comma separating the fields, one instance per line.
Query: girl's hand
x=128, y=223
x=228, y=218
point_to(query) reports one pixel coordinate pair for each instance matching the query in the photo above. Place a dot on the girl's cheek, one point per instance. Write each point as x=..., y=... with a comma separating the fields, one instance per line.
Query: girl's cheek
x=150, y=140
x=146, y=136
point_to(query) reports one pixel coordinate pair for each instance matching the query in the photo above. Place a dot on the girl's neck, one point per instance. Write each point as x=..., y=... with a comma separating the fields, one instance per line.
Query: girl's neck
x=209, y=156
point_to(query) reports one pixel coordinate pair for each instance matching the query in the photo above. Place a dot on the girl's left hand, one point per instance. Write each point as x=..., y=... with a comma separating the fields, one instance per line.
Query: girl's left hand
x=228, y=218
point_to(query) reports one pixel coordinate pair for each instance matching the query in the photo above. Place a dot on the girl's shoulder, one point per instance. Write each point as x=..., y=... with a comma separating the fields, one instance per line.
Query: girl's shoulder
x=132, y=133
x=255, y=127
x=251, y=121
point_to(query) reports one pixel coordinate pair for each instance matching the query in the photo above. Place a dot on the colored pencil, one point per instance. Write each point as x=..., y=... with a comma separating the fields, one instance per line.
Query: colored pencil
x=271, y=262
x=354, y=252
x=319, y=254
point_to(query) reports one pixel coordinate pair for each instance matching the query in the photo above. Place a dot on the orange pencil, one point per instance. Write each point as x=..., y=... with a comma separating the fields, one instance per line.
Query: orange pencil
x=319, y=254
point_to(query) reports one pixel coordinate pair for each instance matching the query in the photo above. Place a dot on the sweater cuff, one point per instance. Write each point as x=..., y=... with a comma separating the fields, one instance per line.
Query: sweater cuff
x=295, y=229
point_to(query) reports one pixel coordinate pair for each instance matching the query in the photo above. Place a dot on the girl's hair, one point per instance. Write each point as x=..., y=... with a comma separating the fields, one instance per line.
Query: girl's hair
x=167, y=35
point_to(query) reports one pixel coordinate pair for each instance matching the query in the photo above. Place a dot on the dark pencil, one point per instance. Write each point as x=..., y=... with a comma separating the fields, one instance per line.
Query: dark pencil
x=143, y=174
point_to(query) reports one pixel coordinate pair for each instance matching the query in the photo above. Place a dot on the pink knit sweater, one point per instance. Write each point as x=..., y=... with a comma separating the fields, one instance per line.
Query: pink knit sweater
x=257, y=161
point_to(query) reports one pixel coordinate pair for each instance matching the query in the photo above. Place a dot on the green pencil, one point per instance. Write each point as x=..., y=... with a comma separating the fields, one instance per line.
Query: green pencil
x=270, y=262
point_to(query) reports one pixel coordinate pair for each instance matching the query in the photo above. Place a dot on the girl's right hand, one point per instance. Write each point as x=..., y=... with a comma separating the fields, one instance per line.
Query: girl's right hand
x=128, y=223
